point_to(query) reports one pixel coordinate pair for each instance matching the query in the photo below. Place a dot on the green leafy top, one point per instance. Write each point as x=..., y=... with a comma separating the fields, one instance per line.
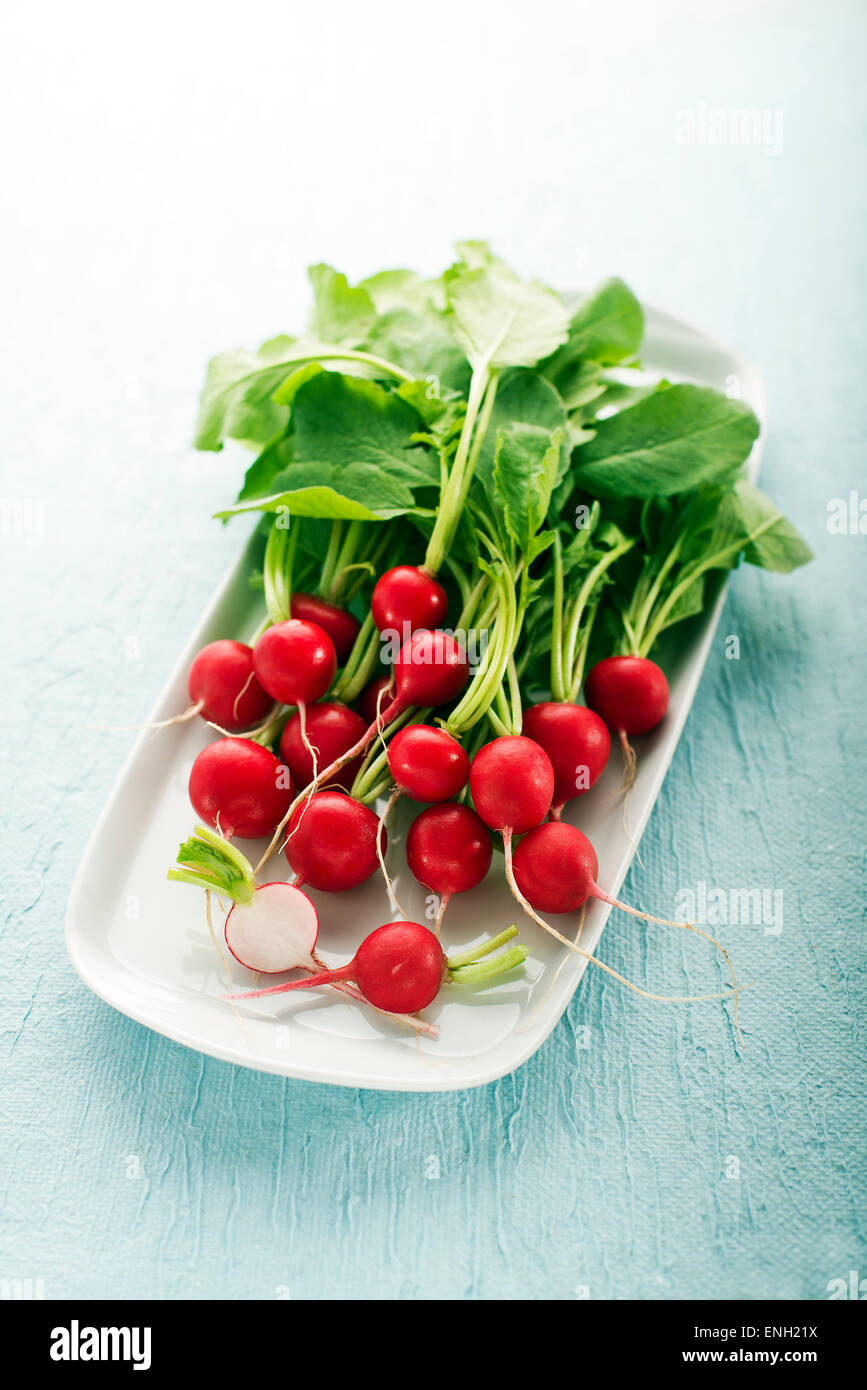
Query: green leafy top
x=480, y=411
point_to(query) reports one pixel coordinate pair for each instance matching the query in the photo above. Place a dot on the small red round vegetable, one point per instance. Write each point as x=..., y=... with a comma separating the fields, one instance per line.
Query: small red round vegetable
x=407, y=597
x=223, y=685
x=374, y=698
x=630, y=692
x=554, y=870
x=332, y=728
x=241, y=787
x=512, y=784
x=427, y=763
x=431, y=668
x=400, y=967
x=332, y=842
x=449, y=850
x=342, y=626
x=576, y=740
x=295, y=662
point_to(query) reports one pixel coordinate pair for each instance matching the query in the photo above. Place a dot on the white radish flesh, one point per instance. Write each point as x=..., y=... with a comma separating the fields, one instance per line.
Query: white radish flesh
x=275, y=932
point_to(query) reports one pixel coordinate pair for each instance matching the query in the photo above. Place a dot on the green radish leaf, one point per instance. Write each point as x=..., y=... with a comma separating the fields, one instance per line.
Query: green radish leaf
x=403, y=289
x=236, y=399
x=580, y=544
x=341, y=315
x=262, y=477
x=245, y=394
x=772, y=542
x=608, y=325
x=442, y=410
x=476, y=254
x=671, y=441
x=526, y=463
x=422, y=344
x=607, y=328
x=577, y=381
x=288, y=390
x=340, y=422
x=383, y=499
x=499, y=320
x=690, y=602
x=523, y=397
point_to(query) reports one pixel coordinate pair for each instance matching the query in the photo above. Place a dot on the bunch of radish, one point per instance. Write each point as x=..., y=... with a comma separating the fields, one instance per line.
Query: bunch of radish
x=564, y=514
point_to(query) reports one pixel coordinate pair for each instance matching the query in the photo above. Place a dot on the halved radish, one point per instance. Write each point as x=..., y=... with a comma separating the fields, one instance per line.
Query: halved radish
x=275, y=931
x=271, y=928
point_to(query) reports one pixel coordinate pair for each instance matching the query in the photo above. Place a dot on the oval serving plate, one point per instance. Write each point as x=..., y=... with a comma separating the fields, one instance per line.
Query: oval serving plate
x=142, y=943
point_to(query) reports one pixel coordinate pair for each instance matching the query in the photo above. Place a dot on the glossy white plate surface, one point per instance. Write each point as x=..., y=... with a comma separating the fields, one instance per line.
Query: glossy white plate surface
x=142, y=943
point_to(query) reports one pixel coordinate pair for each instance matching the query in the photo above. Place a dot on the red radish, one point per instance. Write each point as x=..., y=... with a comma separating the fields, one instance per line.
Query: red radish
x=631, y=694
x=577, y=742
x=430, y=669
x=332, y=842
x=512, y=784
x=408, y=597
x=554, y=870
x=224, y=689
x=342, y=627
x=374, y=698
x=331, y=729
x=449, y=850
x=427, y=763
x=556, y=867
x=295, y=661
x=223, y=686
x=240, y=787
x=270, y=928
x=400, y=967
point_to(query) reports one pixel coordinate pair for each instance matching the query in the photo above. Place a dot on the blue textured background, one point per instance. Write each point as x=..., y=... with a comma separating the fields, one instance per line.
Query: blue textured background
x=167, y=177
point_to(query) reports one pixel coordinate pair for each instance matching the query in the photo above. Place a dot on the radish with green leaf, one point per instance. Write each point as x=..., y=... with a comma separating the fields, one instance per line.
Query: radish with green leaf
x=577, y=742
x=575, y=503
x=400, y=968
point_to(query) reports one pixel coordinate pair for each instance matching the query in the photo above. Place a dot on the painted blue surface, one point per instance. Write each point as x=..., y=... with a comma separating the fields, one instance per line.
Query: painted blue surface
x=163, y=192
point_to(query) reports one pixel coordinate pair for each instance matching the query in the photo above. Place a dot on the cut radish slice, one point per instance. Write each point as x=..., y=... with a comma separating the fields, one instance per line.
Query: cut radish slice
x=274, y=932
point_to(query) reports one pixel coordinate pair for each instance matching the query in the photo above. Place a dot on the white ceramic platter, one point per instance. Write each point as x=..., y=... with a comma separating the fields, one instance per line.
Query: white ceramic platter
x=142, y=943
